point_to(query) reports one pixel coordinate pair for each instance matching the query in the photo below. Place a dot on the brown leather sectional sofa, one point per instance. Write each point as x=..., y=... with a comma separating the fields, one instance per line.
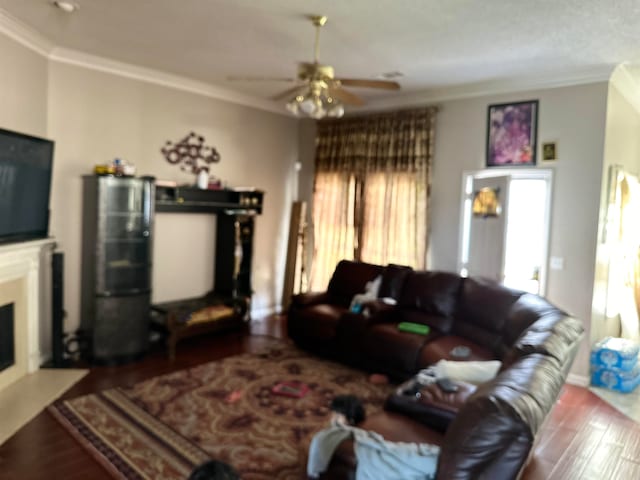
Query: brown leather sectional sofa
x=493, y=431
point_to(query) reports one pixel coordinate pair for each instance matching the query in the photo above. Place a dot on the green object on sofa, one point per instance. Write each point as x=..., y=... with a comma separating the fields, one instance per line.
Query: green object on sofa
x=414, y=328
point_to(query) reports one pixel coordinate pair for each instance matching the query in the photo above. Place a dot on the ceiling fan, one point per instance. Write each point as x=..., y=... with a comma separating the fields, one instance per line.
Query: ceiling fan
x=318, y=93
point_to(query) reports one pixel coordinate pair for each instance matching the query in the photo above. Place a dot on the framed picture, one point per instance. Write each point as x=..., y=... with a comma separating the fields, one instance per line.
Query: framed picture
x=549, y=151
x=511, y=134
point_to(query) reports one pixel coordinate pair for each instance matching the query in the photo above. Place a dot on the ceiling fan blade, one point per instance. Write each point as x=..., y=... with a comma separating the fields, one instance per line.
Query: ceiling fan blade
x=345, y=97
x=260, y=79
x=363, y=82
x=289, y=92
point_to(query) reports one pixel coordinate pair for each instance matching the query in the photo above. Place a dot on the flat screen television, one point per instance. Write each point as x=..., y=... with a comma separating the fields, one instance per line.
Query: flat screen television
x=25, y=183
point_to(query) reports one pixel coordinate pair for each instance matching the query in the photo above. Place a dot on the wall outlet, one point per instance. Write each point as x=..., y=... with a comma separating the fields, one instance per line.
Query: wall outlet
x=556, y=263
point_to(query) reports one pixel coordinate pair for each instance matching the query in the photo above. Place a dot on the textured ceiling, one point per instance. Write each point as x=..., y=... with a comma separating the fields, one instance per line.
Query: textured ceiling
x=435, y=44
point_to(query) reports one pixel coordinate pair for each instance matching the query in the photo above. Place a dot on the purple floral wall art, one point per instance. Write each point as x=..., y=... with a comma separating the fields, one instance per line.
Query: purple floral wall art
x=511, y=134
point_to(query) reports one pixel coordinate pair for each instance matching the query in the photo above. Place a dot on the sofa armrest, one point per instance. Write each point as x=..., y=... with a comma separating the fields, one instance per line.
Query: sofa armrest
x=310, y=298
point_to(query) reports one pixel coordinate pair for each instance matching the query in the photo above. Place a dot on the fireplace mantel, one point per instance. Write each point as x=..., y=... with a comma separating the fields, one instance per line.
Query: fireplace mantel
x=25, y=281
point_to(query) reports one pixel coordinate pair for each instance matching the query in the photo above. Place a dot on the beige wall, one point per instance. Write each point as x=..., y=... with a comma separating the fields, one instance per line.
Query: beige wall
x=95, y=117
x=23, y=89
x=622, y=148
x=575, y=118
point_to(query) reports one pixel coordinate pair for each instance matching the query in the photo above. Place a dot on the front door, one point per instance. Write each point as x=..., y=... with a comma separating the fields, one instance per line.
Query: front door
x=487, y=229
x=505, y=228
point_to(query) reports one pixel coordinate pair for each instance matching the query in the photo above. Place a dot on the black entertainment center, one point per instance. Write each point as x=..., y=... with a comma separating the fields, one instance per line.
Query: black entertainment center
x=235, y=211
x=118, y=214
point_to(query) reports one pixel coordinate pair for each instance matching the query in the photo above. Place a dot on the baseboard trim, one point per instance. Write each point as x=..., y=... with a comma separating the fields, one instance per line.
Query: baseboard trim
x=578, y=380
x=264, y=311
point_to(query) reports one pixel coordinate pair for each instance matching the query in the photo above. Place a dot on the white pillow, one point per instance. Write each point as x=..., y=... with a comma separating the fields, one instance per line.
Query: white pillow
x=471, y=372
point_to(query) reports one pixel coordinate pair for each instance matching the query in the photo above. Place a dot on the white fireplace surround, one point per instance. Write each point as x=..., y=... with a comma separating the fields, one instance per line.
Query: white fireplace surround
x=25, y=281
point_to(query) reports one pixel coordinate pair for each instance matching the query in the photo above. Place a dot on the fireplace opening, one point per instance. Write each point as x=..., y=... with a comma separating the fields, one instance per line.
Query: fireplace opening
x=7, y=350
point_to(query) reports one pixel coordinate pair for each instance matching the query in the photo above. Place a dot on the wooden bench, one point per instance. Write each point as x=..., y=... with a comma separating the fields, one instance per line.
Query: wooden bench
x=195, y=316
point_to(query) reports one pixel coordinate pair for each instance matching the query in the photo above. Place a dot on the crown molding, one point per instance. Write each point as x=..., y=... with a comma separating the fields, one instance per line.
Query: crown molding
x=158, y=77
x=24, y=35
x=491, y=88
x=33, y=40
x=625, y=82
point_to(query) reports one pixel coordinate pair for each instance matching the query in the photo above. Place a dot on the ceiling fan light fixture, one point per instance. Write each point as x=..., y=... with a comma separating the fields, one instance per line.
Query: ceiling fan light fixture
x=307, y=106
x=318, y=111
x=318, y=92
x=294, y=106
x=65, y=6
x=336, y=110
x=316, y=103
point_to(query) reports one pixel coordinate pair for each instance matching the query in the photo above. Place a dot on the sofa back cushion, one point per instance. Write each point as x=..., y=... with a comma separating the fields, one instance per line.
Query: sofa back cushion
x=493, y=433
x=350, y=278
x=434, y=293
x=483, y=312
x=393, y=279
x=536, y=326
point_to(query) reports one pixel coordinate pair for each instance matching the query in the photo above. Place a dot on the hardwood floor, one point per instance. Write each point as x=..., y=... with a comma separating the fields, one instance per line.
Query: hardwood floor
x=584, y=438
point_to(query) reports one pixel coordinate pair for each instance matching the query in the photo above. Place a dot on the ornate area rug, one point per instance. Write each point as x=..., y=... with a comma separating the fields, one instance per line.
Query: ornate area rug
x=161, y=428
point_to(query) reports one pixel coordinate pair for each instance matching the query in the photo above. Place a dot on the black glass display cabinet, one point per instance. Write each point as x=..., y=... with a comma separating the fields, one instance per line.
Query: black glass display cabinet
x=116, y=267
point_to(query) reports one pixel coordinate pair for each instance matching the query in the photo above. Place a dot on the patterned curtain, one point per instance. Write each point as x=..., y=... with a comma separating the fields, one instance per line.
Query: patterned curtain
x=333, y=223
x=371, y=190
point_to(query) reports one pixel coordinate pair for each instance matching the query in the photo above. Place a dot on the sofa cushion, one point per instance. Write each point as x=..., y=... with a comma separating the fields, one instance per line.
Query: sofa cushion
x=434, y=407
x=545, y=342
x=528, y=309
x=393, y=278
x=391, y=351
x=440, y=349
x=486, y=303
x=393, y=427
x=302, y=300
x=552, y=335
x=321, y=321
x=440, y=323
x=483, y=311
x=350, y=278
x=399, y=428
x=435, y=293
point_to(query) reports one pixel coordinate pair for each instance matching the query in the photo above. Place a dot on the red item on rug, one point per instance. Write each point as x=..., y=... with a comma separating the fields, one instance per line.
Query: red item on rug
x=234, y=396
x=378, y=379
x=290, y=389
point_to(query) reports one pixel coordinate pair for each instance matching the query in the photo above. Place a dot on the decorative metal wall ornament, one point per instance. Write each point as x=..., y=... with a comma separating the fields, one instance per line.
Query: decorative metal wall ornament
x=190, y=152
